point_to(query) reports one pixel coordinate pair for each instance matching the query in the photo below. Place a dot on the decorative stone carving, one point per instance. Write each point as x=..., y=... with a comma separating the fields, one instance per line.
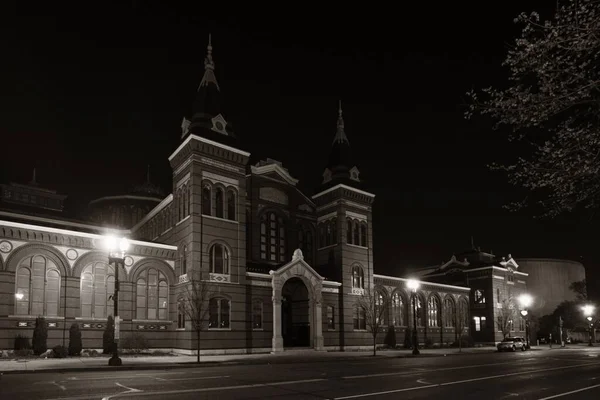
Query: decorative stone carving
x=183, y=278
x=72, y=254
x=358, y=291
x=5, y=246
x=297, y=255
x=273, y=195
x=219, y=277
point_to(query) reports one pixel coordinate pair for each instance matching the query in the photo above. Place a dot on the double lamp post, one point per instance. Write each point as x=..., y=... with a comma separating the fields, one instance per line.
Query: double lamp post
x=526, y=300
x=116, y=258
x=588, y=311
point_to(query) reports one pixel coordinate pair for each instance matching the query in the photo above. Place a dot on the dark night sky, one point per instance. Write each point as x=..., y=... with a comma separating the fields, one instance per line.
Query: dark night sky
x=90, y=96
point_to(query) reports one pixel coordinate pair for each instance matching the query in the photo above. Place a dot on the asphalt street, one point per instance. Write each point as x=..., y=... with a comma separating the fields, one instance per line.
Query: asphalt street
x=561, y=373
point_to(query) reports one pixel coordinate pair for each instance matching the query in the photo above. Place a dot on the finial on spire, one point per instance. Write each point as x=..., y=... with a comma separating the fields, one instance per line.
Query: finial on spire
x=340, y=135
x=209, y=67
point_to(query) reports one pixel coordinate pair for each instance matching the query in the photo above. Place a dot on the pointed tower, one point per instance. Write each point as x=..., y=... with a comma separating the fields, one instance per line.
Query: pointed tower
x=344, y=240
x=206, y=118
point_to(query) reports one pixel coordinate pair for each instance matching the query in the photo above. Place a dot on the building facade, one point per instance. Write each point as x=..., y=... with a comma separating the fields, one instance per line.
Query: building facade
x=284, y=269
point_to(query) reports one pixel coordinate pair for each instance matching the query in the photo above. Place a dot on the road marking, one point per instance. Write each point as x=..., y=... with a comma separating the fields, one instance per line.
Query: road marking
x=423, y=382
x=52, y=383
x=419, y=370
x=129, y=391
x=571, y=392
x=464, y=381
x=191, y=379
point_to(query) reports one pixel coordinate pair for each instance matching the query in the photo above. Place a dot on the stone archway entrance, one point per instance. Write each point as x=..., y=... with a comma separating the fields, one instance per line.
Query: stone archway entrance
x=297, y=313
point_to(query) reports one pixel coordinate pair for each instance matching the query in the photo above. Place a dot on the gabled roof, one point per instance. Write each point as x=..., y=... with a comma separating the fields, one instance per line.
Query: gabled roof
x=273, y=167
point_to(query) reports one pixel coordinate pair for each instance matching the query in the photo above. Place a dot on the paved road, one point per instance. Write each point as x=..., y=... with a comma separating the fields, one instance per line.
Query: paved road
x=564, y=374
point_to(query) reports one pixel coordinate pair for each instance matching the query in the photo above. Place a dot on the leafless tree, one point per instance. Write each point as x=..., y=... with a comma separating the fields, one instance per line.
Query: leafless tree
x=506, y=316
x=461, y=321
x=196, y=306
x=375, y=305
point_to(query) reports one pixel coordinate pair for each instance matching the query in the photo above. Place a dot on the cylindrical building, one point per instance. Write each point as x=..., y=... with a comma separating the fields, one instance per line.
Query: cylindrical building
x=549, y=281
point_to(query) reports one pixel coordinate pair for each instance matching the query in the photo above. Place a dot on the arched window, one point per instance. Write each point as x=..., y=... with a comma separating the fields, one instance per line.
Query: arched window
x=219, y=259
x=206, y=203
x=272, y=237
x=189, y=201
x=349, y=231
x=152, y=295
x=219, y=203
x=257, y=314
x=479, y=296
x=97, y=288
x=322, y=235
x=380, y=309
x=398, y=310
x=356, y=233
x=328, y=233
x=449, y=313
x=363, y=235
x=231, y=205
x=333, y=231
x=184, y=260
x=219, y=313
x=433, y=308
x=179, y=205
x=463, y=312
x=184, y=201
x=360, y=320
x=37, y=287
x=358, y=277
x=181, y=314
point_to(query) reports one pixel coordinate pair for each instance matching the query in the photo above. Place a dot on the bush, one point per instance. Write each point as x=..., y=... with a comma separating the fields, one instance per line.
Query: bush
x=60, y=351
x=40, y=336
x=390, y=337
x=408, y=338
x=108, y=338
x=75, y=345
x=466, y=341
x=22, y=343
x=135, y=343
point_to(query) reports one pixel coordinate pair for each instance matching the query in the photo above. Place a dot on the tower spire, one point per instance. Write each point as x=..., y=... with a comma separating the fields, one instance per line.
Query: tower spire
x=209, y=67
x=340, y=135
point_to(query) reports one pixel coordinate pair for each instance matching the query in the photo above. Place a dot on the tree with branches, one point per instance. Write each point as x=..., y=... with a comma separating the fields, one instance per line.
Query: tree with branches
x=552, y=105
x=580, y=290
x=461, y=318
x=375, y=305
x=195, y=306
x=506, y=316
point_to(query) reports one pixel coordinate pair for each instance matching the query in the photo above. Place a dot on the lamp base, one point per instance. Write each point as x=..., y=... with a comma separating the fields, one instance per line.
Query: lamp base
x=115, y=361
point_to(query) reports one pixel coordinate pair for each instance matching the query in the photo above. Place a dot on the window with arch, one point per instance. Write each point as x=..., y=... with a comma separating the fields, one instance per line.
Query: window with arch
x=398, y=310
x=322, y=235
x=360, y=320
x=219, y=259
x=181, y=314
x=231, y=205
x=272, y=237
x=449, y=313
x=184, y=201
x=434, y=312
x=463, y=312
x=37, y=287
x=206, y=200
x=184, y=260
x=363, y=235
x=219, y=203
x=257, y=314
x=479, y=296
x=349, y=231
x=97, y=288
x=333, y=231
x=152, y=292
x=358, y=277
x=380, y=308
x=179, y=205
x=356, y=233
x=188, y=199
x=328, y=233
x=219, y=313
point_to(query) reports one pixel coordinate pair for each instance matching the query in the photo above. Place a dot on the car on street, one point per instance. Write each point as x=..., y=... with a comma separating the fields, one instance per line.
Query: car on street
x=512, y=344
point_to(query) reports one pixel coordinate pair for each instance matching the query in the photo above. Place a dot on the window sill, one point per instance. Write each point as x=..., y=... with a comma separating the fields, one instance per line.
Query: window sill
x=219, y=329
x=34, y=317
x=258, y=329
x=357, y=246
x=180, y=329
x=220, y=219
x=90, y=319
x=153, y=321
x=360, y=330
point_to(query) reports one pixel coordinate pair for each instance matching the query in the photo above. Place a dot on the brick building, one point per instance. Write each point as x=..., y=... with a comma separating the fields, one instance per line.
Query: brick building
x=285, y=269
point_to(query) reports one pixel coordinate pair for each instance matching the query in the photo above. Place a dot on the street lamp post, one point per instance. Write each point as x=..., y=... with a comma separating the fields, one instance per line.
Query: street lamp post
x=116, y=257
x=588, y=310
x=526, y=300
x=414, y=286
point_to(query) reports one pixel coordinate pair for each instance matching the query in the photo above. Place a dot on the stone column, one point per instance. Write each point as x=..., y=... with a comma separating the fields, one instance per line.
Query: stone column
x=318, y=343
x=277, y=341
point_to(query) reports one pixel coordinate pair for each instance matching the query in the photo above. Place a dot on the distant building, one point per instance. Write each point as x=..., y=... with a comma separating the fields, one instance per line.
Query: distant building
x=31, y=198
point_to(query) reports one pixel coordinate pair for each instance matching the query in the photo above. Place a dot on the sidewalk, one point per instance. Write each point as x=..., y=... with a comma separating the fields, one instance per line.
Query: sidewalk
x=182, y=361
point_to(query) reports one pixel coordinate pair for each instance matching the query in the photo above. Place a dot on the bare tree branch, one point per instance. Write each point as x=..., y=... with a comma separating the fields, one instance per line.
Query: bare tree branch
x=195, y=305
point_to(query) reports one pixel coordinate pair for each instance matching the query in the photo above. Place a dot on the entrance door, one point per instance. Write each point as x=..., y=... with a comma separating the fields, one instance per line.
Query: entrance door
x=295, y=316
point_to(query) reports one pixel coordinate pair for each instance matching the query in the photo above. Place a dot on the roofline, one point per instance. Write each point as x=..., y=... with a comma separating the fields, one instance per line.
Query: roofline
x=484, y=268
x=341, y=185
x=421, y=281
x=562, y=260
x=126, y=196
x=85, y=234
x=207, y=141
x=158, y=208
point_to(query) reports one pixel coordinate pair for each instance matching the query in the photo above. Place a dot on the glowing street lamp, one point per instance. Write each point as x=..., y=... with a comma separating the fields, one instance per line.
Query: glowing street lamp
x=526, y=300
x=588, y=311
x=116, y=256
x=413, y=285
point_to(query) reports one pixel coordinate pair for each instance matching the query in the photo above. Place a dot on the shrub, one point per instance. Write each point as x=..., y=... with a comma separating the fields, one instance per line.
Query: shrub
x=40, y=336
x=108, y=338
x=135, y=343
x=466, y=341
x=22, y=342
x=74, y=340
x=408, y=338
x=390, y=337
x=60, y=351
